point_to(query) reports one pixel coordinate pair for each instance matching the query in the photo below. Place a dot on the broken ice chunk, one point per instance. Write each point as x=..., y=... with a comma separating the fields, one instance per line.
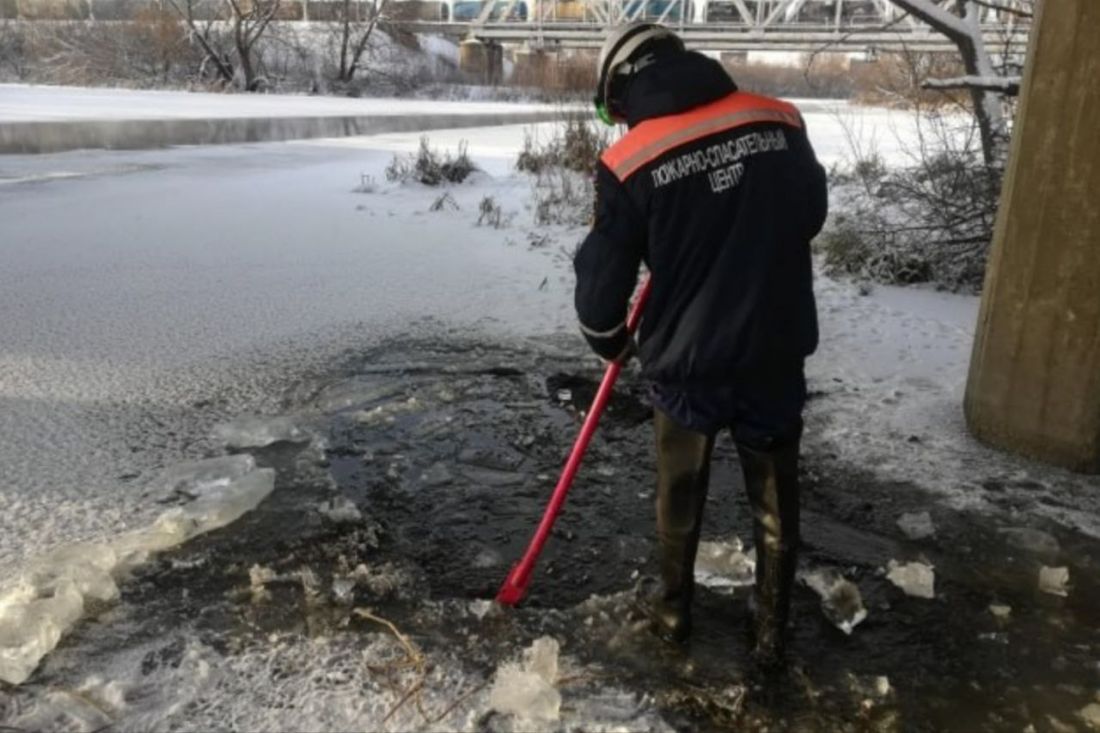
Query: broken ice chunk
x=1090, y=715
x=1000, y=611
x=30, y=629
x=190, y=479
x=724, y=565
x=841, y=601
x=48, y=598
x=218, y=508
x=917, y=526
x=915, y=579
x=480, y=608
x=343, y=590
x=1054, y=580
x=340, y=510
x=527, y=690
x=258, y=432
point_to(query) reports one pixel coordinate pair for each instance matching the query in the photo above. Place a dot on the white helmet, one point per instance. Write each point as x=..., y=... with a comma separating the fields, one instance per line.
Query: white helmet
x=623, y=44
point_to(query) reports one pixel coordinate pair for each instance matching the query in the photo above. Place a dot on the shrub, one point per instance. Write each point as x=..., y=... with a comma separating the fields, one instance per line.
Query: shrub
x=429, y=167
x=563, y=197
x=576, y=146
x=490, y=213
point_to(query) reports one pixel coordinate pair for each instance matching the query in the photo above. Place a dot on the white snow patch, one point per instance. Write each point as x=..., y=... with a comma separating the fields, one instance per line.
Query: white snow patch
x=915, y=579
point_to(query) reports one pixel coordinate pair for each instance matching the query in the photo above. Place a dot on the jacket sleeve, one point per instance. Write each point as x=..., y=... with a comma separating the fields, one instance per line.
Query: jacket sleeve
x=606, y=265
x=817, y=189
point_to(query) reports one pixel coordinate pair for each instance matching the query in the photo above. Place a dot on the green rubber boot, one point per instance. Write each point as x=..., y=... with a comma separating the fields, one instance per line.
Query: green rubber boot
x=683, y=471
x=771, y=481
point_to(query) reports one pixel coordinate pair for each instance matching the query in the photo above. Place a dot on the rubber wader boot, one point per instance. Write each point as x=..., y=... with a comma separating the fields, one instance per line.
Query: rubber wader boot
x=771, y=481
x=683, y=470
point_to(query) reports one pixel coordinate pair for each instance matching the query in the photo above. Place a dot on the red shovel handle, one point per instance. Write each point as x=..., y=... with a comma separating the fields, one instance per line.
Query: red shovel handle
x=515, y=585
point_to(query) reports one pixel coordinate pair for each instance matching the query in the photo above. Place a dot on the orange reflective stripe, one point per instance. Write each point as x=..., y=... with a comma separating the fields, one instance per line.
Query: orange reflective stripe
x=653, y=138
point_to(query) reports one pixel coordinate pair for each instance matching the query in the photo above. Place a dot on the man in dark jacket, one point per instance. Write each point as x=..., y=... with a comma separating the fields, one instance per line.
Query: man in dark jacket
x=719, y=193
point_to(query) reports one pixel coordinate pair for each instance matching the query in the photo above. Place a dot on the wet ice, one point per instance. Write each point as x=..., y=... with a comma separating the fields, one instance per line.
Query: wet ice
x=841, y=601
x=916, y=579
x=526, y=689
x=43, y=603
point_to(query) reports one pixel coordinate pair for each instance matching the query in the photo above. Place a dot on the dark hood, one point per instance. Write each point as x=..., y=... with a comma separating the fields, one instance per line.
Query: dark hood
x=674, y=84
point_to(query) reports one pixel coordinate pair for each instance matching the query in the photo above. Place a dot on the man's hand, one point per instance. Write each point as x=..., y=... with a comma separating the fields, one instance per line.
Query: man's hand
x=629, y=351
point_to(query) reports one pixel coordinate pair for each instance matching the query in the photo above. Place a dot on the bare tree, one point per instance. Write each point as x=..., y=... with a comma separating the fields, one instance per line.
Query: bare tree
x=984, y=83
x=248, y=21
x=356, y=23
x=201, y=34
x=250, y=18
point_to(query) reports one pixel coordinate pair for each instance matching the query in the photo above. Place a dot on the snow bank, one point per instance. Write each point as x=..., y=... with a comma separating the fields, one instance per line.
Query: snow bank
x=54, y=592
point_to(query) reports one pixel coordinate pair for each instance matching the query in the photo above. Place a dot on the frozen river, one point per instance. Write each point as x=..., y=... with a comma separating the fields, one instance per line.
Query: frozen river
x=145, y=290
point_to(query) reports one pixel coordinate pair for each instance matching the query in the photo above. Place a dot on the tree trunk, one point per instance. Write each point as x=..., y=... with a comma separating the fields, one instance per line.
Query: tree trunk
x=345, y=39
x=244, y=52
x=964, y=30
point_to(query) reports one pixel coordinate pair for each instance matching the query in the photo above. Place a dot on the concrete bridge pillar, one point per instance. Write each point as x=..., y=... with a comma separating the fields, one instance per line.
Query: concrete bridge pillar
x=534, y=67
x=483, y=60
x=1035, y=373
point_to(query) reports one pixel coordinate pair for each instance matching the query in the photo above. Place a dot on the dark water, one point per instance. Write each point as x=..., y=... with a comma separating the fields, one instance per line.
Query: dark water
x=451, y=485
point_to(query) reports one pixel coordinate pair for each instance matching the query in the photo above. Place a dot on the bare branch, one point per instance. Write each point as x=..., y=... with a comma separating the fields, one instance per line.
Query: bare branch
x=1009, y=85
x=1017, y=11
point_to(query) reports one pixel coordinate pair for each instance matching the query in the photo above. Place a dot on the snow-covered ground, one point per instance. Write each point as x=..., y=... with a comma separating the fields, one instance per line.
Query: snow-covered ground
x=153, y=295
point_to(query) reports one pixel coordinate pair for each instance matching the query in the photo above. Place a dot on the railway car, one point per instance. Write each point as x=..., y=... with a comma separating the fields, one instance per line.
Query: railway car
x=468, y=10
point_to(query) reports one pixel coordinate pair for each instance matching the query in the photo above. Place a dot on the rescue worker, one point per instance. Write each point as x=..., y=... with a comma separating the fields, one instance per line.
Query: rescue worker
x=719, y=193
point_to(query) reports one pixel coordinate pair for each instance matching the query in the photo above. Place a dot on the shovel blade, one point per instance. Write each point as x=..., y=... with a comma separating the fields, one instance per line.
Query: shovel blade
x=514, y=588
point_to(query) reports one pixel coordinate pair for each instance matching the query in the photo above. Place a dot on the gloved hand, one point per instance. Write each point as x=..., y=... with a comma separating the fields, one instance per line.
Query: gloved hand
x=630, y=350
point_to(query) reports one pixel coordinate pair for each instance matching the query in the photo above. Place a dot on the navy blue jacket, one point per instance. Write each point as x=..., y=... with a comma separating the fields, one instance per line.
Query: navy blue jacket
x=719, y=193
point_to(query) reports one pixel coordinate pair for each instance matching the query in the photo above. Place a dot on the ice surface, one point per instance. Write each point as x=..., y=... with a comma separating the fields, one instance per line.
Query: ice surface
x=841, y=601
x=51, y=594
x=724, y=565
x=915, y=579
x=258, y=432
x=1034, y=541
x=20, y=102
x=917, y=526
x=527, y=689
x=1054, y=581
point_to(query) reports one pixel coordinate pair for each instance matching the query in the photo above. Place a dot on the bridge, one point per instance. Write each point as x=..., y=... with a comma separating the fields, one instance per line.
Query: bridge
x=720, y=25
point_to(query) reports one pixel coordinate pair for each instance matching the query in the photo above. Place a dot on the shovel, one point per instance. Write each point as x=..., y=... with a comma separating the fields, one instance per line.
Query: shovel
x=515, y=585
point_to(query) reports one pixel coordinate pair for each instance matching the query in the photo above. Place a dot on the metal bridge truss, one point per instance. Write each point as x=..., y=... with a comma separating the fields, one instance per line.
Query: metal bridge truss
x=736, y=25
